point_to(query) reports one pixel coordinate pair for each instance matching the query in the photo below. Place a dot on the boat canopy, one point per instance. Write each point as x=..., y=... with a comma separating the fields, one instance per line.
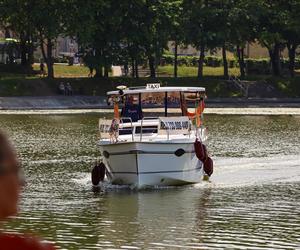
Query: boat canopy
x=155, y=90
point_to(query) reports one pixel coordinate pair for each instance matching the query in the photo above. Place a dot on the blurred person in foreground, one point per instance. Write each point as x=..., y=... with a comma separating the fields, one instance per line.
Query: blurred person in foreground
x=11, y=182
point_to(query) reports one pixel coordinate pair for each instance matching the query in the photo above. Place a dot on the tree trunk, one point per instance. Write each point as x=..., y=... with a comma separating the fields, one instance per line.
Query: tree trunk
x=23, y=49
x=30, y=59
x=126, y=68
x=240, y=54
x=98, y=67
x=275, y=59
x=175, y=59
x=48, y=59
x=201, y=61
x=23, y=54
x=136, y=67
x=243, y=62
x=106, y=67
x=106, y=71
x=99, y=72
x=151, y=66
x=132, y=67
x=292, y=54
x=225, y=63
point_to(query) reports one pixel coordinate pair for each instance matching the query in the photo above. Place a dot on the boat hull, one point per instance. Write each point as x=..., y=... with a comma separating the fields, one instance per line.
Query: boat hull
x=143, y=164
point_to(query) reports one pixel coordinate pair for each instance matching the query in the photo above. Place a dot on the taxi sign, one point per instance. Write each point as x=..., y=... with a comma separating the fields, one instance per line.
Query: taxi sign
x=153, y=86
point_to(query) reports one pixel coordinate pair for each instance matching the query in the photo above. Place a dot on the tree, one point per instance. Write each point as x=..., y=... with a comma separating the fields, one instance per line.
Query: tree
x=174, y=15
x=132, y=33
x=200, y=28
x=17, y=17
x=98, y=28
x=154, y=30
x=270, y=26
x=291, y=30
x=224, y=26
x=50, y=19
x=242, y=30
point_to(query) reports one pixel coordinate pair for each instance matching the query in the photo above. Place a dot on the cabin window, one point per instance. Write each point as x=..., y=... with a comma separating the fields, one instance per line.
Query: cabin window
x=153, y=99
x=173, y=99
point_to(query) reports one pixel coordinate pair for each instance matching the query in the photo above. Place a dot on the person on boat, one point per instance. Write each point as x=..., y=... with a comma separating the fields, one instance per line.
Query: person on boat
x=11, y=183
x=132, y=110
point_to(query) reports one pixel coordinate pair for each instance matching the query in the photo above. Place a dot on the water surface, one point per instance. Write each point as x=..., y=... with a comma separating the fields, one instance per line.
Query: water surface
x=252, y=201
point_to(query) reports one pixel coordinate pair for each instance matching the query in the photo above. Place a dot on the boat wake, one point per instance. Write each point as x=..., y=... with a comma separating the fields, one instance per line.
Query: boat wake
x=229, y=172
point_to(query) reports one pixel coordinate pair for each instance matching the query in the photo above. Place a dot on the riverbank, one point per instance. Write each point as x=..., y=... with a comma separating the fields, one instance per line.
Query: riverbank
x=216, y=86
x=97, y=104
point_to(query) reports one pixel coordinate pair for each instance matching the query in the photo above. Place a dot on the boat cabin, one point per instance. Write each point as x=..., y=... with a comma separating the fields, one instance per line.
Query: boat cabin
x=134, y=110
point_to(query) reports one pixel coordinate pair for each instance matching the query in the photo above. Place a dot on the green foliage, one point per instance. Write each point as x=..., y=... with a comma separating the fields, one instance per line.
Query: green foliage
x=258, y=66
x=210, y=61
x=131, y=32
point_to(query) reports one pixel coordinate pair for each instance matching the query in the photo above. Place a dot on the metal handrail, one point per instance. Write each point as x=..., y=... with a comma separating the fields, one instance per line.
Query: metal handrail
x=167, y=129
x=142, y=123
x=241, y=85
x=141, y=130
x=129, y=118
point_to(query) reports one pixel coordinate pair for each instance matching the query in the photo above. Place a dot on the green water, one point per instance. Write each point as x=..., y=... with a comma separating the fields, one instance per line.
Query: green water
x=252, y=201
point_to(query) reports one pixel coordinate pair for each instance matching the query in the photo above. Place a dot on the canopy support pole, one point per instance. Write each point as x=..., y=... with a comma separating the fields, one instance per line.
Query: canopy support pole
x=166, y=104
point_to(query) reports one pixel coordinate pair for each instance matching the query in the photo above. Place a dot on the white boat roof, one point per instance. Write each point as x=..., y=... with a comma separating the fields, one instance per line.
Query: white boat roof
x=161, y=89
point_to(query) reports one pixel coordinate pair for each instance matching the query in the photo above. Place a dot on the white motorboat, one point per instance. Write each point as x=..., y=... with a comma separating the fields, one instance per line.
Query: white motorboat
x=145, y=150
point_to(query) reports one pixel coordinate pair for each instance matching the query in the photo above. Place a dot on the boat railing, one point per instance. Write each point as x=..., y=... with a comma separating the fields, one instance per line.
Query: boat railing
x=124, y=125
x=112, y=129
x=142, y=123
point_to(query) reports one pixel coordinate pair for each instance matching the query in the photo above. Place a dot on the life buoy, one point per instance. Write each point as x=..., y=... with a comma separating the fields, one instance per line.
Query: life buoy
x=208, y=166
x=98, y=173
x=197, y=114
x=116, y=111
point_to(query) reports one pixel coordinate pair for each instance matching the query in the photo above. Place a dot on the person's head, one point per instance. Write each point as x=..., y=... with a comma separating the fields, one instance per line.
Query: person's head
x=10, y=182
x=129, y=100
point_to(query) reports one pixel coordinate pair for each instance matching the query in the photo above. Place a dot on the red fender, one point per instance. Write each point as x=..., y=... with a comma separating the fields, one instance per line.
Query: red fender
x=208, y=166
x=200, y=150
x=10, y=241
x=98, y=173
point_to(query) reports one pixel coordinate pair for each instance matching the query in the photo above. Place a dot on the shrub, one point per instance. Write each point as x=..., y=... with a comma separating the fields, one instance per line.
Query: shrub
x=213, y=61
x=210, y=61
x=253, y=66
x=257, y=66
x=16, y=68
x=61, y=60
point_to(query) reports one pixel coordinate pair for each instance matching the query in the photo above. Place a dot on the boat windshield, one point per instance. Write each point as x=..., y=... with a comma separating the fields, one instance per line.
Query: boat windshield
x=135, y=105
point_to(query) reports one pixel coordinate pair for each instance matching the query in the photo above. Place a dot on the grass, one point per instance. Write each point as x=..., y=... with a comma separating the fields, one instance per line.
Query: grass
x=75, y=71
x=66, y=71
x=184, y=71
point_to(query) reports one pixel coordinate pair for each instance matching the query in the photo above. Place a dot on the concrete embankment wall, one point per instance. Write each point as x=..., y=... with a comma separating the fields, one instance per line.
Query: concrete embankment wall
x=52, y=102
x=99, y=102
